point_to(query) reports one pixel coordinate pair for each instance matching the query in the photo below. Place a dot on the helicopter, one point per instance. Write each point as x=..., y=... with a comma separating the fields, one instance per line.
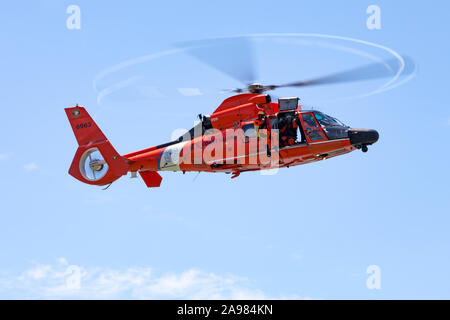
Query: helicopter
x=246, y=132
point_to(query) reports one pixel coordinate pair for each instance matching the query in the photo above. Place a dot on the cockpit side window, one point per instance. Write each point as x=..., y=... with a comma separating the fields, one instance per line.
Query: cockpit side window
x=311, y=128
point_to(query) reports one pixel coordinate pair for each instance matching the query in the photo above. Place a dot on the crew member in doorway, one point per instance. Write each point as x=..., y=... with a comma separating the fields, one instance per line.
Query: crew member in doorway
x=263, y=122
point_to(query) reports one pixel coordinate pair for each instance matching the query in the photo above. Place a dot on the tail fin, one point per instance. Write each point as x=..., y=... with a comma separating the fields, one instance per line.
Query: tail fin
x=96, y=161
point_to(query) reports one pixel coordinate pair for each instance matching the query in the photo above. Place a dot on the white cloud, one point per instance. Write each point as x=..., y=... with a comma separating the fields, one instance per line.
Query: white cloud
x=4, y=156
x=31, y=166
x=38, y=272
x=190, y=91
x=63, y=280
x=296, y=256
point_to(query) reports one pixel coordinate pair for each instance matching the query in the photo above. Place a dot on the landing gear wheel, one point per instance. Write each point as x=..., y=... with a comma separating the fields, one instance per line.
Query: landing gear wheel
x=364, y=148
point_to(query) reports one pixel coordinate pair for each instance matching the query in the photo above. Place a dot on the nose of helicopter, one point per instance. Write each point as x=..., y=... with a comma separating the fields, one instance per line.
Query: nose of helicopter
x=360, y=138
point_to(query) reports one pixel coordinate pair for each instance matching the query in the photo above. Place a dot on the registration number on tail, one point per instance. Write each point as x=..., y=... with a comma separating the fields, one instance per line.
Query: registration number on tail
x=83, y=125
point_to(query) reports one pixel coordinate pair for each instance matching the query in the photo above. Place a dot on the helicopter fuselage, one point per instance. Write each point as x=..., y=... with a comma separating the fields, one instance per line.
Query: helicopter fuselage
x=247, y=132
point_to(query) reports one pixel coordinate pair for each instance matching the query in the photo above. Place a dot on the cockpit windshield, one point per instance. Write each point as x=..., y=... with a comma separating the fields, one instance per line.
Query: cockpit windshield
x=327, y=121
x=333, y=128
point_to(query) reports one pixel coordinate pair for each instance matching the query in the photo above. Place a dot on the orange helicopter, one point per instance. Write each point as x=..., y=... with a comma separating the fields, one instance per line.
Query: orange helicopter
x=247, y=132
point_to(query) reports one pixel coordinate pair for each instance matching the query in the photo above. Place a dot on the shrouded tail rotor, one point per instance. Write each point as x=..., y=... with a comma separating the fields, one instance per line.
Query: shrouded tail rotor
x=92, y=165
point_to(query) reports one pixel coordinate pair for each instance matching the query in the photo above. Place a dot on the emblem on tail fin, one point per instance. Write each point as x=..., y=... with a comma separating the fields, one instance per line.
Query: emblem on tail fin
x=76, y=113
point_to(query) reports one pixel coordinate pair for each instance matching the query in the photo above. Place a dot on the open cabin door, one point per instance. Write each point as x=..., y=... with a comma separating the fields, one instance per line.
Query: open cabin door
x=289, y=129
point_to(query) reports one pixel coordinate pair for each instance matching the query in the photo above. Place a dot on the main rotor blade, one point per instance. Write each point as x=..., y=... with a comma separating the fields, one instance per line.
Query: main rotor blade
x=232, y=56
x=387, y=68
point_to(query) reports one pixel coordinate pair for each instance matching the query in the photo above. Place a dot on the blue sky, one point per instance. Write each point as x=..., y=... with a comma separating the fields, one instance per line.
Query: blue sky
x=307, y=232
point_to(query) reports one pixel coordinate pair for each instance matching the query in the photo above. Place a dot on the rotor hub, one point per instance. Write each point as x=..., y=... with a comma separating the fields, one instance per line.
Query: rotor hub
x=256, y=88
x=96, y=164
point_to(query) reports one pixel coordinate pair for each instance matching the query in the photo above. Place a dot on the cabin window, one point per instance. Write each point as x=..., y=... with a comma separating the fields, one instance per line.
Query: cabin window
x=249, y=130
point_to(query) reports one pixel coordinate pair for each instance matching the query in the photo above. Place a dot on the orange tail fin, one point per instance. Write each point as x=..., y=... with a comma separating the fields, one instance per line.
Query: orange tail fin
x=96, y=161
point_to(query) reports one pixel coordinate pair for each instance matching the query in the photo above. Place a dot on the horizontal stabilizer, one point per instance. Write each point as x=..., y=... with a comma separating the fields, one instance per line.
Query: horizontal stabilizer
x=151, y=178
